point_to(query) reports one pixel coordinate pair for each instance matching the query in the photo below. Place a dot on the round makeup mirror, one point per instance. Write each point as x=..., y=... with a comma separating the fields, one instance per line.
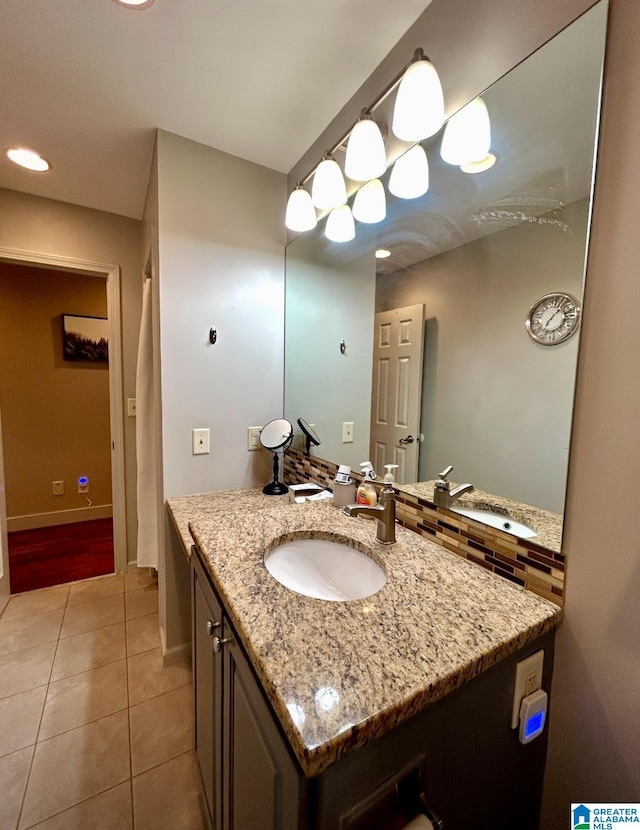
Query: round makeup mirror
x=276, y=436
x=309, y=434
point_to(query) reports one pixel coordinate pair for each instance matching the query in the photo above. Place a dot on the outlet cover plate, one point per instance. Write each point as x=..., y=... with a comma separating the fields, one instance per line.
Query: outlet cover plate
x=525, y=670
x=347, y=432
x=253, y=438
x=200, y=441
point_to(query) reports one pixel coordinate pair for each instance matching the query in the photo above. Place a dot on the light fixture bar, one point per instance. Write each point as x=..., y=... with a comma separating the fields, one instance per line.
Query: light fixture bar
x=418, y=55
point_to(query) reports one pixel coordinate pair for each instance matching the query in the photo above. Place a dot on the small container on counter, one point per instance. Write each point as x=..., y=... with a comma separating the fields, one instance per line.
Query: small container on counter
x=343, y=492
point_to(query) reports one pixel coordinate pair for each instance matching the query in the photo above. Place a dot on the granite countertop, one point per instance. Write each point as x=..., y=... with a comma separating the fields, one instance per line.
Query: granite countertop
x=547, y=525
x=339, y=674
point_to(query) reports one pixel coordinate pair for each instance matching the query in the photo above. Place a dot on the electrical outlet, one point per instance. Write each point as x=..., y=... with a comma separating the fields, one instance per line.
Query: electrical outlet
x=58, y=488
x=528, y=680
x=253, y=438
x=200, y=441
x=347, y=432
x=83, y=484
x=131, y=407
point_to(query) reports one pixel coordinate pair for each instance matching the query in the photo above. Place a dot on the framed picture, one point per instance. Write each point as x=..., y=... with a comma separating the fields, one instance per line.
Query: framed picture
x=85, y=338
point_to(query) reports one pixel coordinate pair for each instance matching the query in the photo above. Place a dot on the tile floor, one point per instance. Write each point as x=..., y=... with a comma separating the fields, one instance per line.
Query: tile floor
x=94, y=730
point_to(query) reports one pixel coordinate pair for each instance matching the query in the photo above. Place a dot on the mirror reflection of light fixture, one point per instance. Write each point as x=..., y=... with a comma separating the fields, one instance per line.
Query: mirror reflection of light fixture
x=301, y=214
x=467, y=136
x=382, y=253
x=276, y=436
x=410, y=175
x=135, y=4
x=479, y=166
x=340, y=226
x=370, y=203
x=419, y=107
x=366, y=157
x=328, y=189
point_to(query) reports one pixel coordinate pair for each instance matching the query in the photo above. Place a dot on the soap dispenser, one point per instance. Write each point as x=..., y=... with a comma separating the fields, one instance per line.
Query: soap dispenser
x=366, y=491
x=388, y=476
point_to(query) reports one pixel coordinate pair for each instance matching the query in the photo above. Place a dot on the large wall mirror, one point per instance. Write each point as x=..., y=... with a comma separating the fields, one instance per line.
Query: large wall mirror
x=466, y=262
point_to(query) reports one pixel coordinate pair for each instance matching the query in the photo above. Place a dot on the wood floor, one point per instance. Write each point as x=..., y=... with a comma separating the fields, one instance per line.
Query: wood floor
x=64, y=553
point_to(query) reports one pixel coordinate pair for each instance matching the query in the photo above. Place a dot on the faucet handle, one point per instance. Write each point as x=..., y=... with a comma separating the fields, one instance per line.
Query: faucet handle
x=446, y=472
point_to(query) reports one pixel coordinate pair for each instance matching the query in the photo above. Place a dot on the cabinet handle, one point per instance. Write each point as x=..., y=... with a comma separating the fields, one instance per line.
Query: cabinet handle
x=218, y=643
x=211, y=627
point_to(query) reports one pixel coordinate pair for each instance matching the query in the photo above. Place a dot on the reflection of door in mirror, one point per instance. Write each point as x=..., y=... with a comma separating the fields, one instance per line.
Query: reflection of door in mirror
x=397, y=377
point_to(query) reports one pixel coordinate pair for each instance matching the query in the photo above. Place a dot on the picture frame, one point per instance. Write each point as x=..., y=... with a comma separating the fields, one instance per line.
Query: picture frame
x=85, y=339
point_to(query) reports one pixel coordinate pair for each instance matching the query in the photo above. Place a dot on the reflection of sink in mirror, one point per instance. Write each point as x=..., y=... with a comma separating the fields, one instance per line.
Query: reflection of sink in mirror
x=496, y=520
x=325, y=569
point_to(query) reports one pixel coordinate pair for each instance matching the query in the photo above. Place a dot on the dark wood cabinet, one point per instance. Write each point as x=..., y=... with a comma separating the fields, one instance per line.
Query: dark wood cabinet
x=458, y=758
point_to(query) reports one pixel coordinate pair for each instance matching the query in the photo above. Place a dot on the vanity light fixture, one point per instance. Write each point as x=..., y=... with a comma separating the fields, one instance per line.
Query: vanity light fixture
x=301, y=214
x=328, y=189
x=410, y=175
x=366, y=156
x=340, y=226
x=479, y=166
x=467, y=136
x=370, y=203
x=382, y=253
x=29, y=159
x=135, y=4
x=419, y=107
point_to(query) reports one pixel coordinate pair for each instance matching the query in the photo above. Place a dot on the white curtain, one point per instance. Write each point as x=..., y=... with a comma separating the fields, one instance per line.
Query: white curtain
x=146, y=440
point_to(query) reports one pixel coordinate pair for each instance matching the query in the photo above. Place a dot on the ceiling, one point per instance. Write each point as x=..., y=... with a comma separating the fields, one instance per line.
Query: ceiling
x=86, y=82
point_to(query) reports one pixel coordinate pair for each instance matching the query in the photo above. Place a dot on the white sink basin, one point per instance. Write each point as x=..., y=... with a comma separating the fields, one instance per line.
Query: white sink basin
x=496, y=520
x=324, y=569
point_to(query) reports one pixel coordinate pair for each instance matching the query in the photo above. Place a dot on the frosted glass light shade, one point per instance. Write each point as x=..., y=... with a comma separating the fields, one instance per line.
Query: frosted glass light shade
x=467, y=136
x=340, y=225
x=366, y=157
x=301, y=214
x=419, y=107
x=328, y=189
x=410, y=175
x=370, y=204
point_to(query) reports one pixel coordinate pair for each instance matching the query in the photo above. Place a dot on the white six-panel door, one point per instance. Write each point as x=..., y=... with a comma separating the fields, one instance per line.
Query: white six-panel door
x=397, y=391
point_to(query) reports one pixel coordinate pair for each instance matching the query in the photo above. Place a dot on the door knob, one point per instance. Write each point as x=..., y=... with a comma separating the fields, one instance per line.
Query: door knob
x=219, y=642
x=408, y=440
x=211, y=626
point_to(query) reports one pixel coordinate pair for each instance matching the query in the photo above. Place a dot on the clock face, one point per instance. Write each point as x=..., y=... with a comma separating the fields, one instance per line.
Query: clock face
x=553, y=319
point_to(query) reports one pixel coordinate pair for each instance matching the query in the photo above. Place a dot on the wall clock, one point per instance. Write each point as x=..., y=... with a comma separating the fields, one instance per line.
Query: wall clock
x=553, y=319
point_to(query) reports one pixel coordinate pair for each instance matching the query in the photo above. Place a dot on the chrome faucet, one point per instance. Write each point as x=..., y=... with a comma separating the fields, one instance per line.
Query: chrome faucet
x=384, y=512
x=443, y=495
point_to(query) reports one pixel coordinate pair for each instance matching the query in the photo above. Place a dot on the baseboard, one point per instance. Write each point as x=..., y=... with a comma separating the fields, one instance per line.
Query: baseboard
x=59, y=517
x=175, y=654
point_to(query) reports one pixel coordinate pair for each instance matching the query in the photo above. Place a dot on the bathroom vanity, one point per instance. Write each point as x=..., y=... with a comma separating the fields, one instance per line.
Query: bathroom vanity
x=360, y=714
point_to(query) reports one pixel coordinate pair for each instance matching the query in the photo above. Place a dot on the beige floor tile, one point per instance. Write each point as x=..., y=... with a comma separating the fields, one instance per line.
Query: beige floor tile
x=148, y=677
x=28, y=632
x=91, y=589
x=83, y=698
x=89, y=651
x=92, y=615
x=20, y=718
x=143, y=634
x=161, y=729
x=107, y=811
x=25, y=669
x=168, y=796
x=141, y=578
x=75, y=766
x=36, y=602
x=141, y=603
x=14, y=771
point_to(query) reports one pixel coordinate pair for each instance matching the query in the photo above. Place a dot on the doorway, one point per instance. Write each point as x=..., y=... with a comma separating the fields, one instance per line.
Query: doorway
x=62, y=419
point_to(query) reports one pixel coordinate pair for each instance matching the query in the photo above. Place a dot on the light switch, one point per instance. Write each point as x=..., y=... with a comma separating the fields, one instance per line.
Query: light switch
x=201, y=441
x=131, y=407
x=347, y=432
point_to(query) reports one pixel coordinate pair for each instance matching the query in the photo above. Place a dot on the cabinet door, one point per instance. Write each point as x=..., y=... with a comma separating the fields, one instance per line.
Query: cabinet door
x=263, y=785
x=207, y=685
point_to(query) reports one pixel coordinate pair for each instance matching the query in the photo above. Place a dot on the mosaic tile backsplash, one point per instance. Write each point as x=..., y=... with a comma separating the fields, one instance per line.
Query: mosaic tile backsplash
x=518, y=560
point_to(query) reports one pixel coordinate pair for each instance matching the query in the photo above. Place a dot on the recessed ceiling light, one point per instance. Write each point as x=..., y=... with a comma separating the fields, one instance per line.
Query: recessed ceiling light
x=382, y=253
x=135, y=4
x=29, y=159
x=479, y=166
